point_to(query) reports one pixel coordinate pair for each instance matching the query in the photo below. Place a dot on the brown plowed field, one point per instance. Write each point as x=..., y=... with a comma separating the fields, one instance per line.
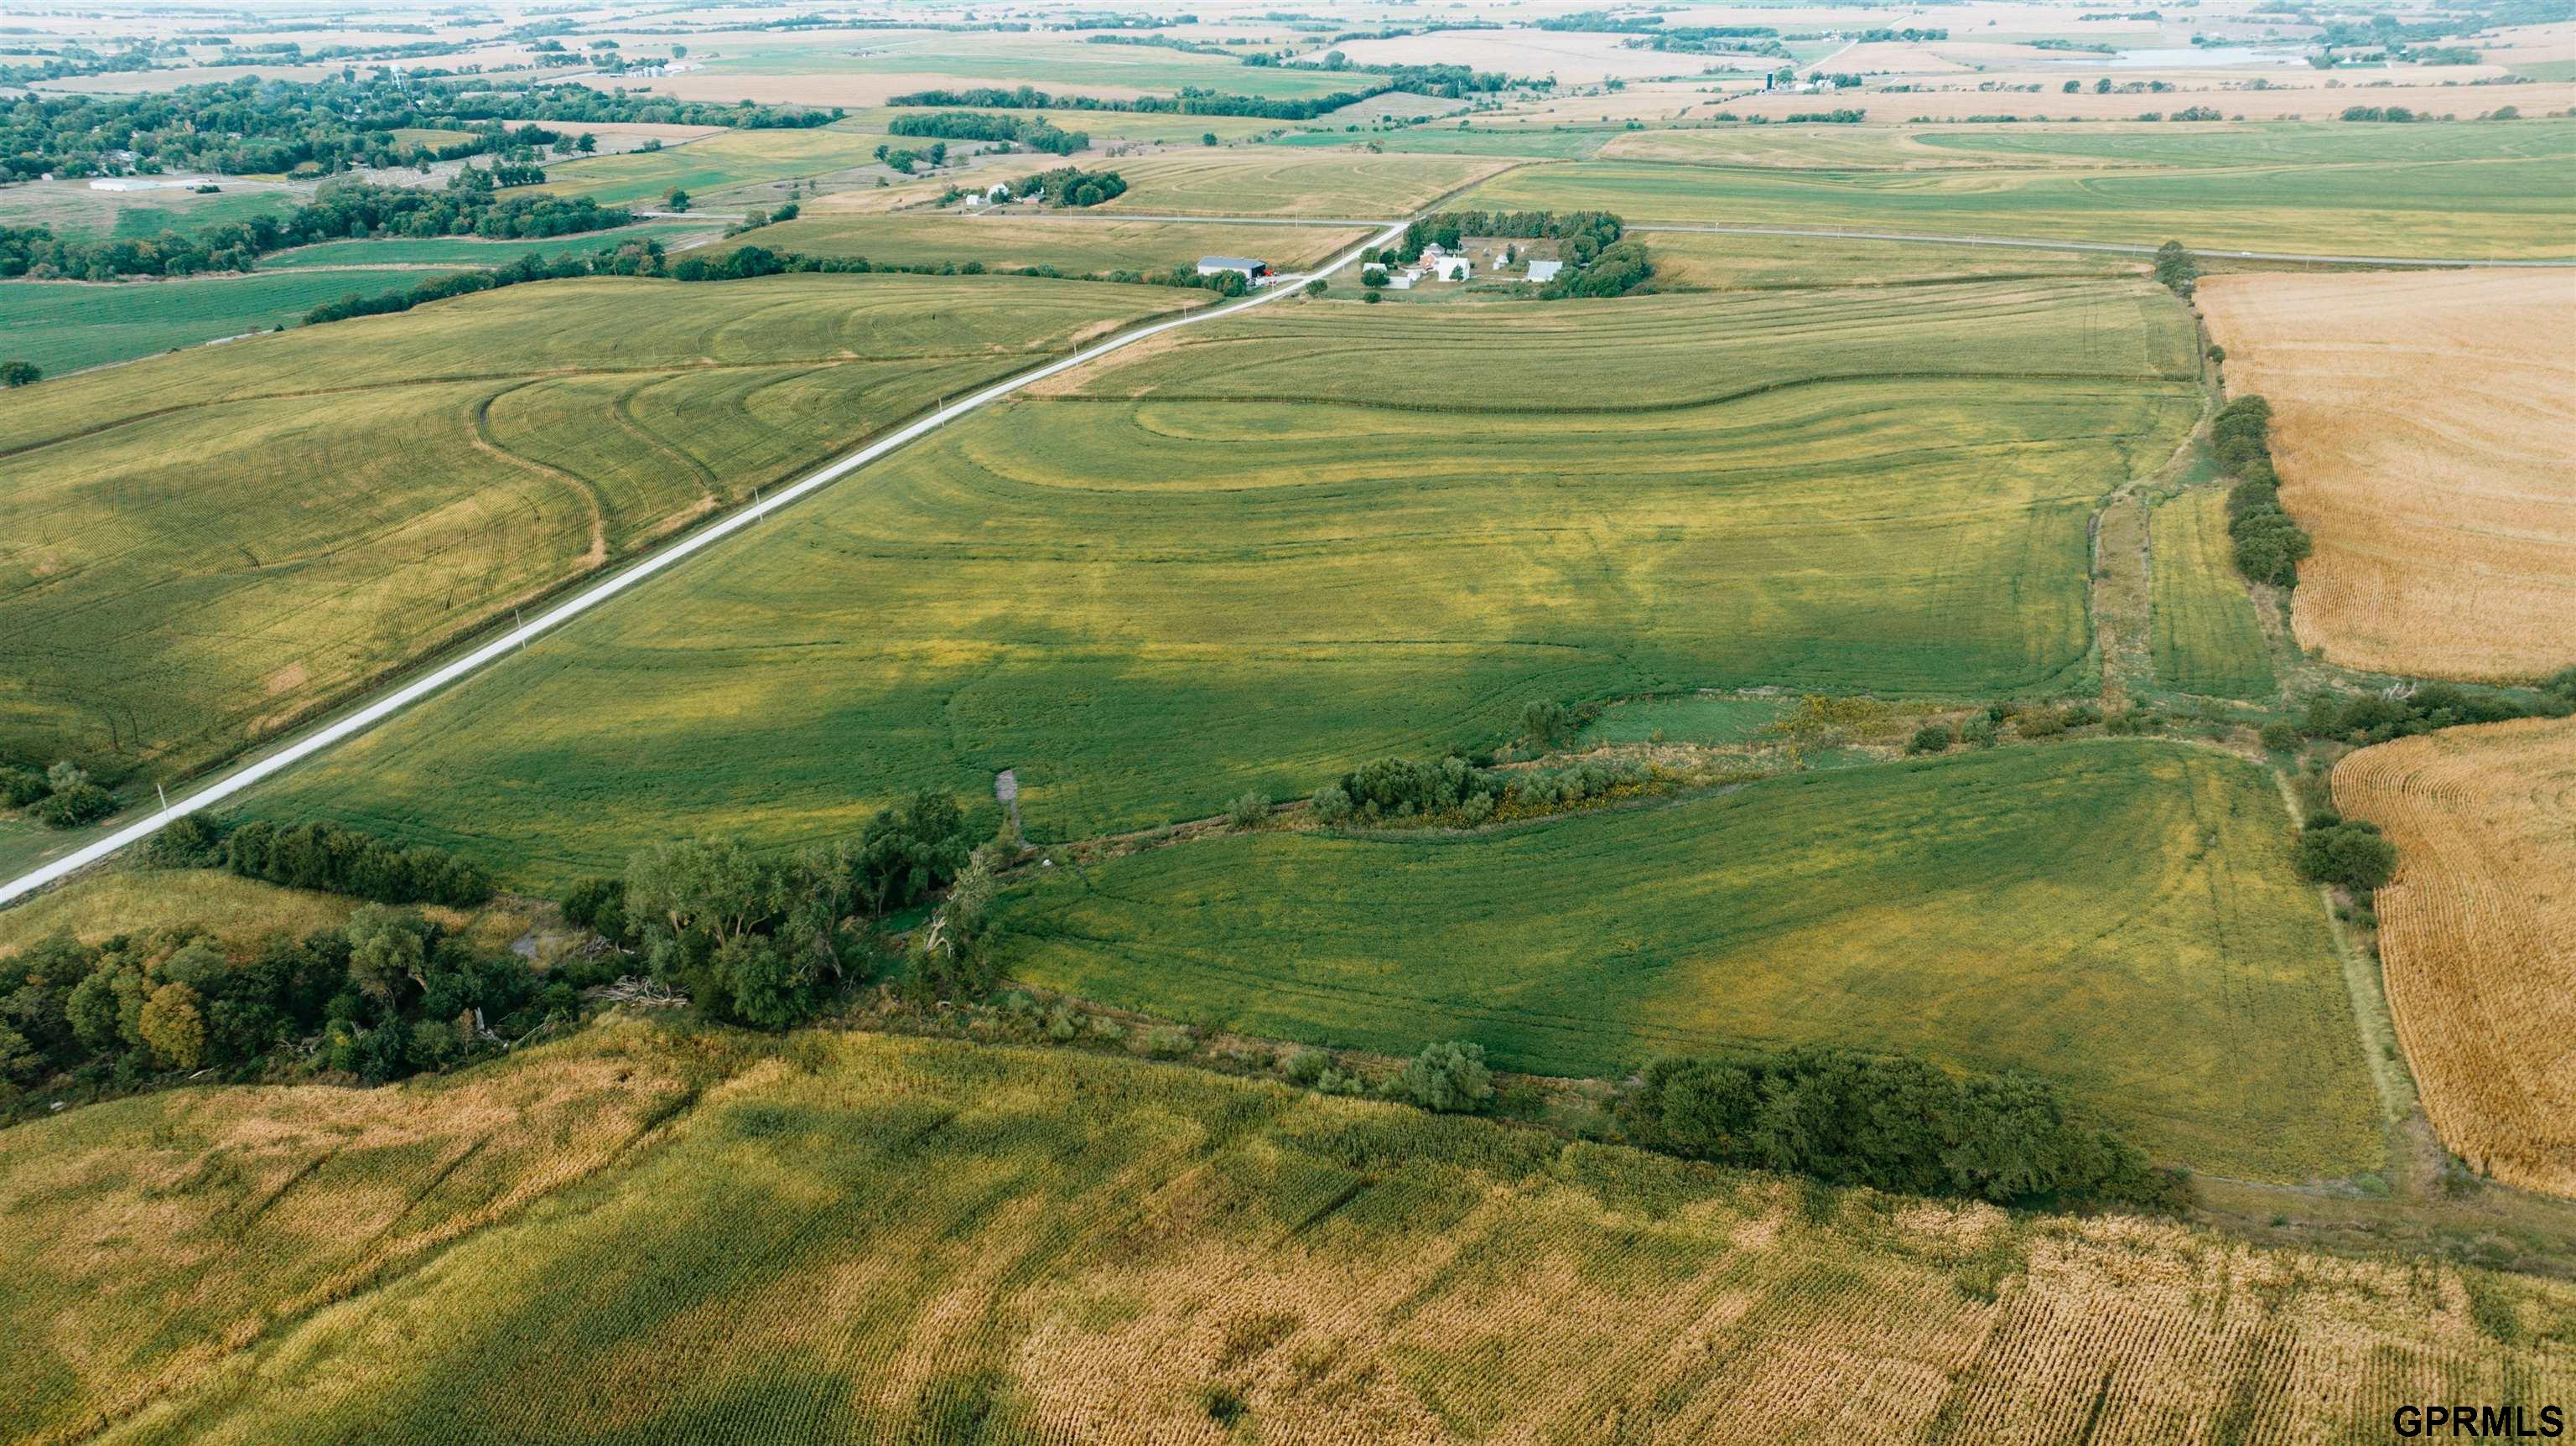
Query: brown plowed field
x=2478, y=931
x=2425, y=428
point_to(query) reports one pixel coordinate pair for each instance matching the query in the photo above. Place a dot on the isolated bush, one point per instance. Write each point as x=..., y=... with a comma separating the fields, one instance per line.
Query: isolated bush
x=1316, y=287
x=2348, y=853
x=2080, y=715
x=1978, y=732
x=1932, y=738
x=71, y=807
x=1332, y=803
x=1449, y=1077
x=2217, y=353
x=2280, y=735
x=1374, y=297
x=1250, y=810
x=22, y=786
x=192, y=842
x=20, y=374
x=1547, y=722
x=2040, y=724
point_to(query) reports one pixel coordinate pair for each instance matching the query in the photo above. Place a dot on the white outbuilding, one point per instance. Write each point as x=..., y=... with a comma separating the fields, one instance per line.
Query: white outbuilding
x=1252, y=268
x=1545, y=270
x=1453, y=268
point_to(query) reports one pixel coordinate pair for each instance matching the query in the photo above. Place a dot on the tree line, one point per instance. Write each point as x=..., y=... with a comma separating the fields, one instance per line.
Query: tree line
x=321, y=855
x=252, y=126
x=1890, y=1123
x=342, y=210
x=1440, y=80
x=967, y=125
x=2268, y=546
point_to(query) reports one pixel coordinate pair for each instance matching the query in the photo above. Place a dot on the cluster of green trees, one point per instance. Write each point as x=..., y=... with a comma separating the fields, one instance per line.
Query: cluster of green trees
x=60, y=797
x=1582, y=234
x=934, y=156
x=1893, y=1124
x=1071, y=186
x=1465, y=792
x=388, y=995
x=2395, y=113
x=2269, y=546
x=343, y=210
x=321, y=855
x=253, y=126
x=2348, y=853
x=967, y=125
x=2361, y=719
x=2176, y=268
x=1846, y=116
x=1619, y=269
x=765, y=942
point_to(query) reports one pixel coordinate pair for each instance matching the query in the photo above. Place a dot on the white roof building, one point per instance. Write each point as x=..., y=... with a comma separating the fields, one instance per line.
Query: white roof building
x=1454, y=268
x=1545, y=270
x=1249, y=266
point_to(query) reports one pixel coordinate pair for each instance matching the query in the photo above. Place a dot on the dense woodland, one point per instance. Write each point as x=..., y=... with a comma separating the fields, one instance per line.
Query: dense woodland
x=270, y=127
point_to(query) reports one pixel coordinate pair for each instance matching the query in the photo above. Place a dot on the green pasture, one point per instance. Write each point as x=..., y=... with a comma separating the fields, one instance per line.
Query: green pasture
x=717, y=163
x=65, y=326
x=2205, y=636
x=194, y=549
x=1448, y=140
x=1689, y=718
x=1075, y=244
x=1738, y=261
x=75, y=211
x=2484, y=208
x=473, y=251
x=2120, y=917
x=1266, y=549
x=2266, y=143
x=1267, y=181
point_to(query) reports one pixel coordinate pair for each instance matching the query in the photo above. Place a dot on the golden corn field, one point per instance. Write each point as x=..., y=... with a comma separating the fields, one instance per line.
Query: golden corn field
x=2424, y=425
x=652, y=1233
x=2478, y=933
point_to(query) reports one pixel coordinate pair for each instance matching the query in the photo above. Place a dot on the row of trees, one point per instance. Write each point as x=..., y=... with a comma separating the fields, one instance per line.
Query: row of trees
x=967, y=125
x=344, y=210
x=1893, y=1124
x=1460, y=792
x=253, y=126
x=324, y=856
x=1450, y=81
x=2269, y=546
x=2362, y=719
x=59, y=797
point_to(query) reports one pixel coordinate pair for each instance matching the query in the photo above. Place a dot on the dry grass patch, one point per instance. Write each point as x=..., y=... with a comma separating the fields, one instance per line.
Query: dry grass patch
x=2425, y=429
x=2478, y=934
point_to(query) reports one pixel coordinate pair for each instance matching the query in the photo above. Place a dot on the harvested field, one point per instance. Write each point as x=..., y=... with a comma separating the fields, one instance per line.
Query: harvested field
x=2478, y=934
x=1076, y=245
x=1293, y=183
x=195, y=549
x=2205, y=635
x=2424, y=425
x=651, y=1234
x=236, y=910
x=2119, y=917
x=706, y=168
x=1257, y=552
x=2294, y=102
x=1708, y=261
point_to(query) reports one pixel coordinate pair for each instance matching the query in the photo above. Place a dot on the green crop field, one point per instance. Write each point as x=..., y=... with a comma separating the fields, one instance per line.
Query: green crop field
x=2500, y=205
x=65, y=326
x=1260, y=181
x=648, y=1234
x=196, y=548
x=707, y=167
x=473, y=251
x=1278, y=544
x=2205, y=635
x=1074, y=244
x=1449, y=140
x=1709, y=261
x=1689, y=718
x=2119, y=917
x=2269, y=143
x=74, y=210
